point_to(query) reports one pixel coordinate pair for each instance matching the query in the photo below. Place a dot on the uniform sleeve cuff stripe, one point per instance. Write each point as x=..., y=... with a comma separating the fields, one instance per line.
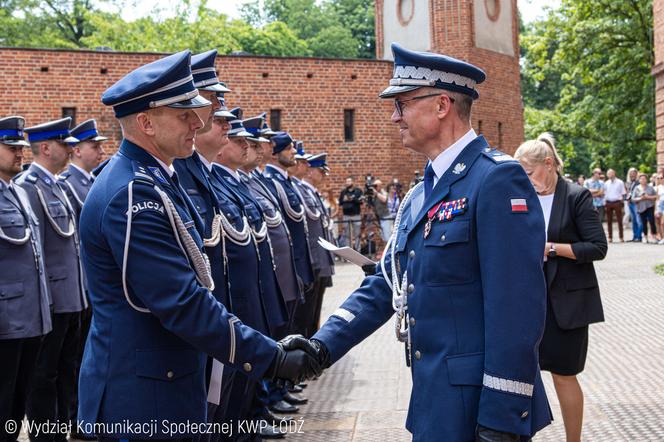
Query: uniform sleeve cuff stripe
x=508, y=385
x=344, y=314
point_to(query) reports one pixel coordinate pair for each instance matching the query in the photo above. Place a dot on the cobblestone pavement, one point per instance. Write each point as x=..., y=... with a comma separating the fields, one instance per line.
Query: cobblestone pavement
x=364, y=397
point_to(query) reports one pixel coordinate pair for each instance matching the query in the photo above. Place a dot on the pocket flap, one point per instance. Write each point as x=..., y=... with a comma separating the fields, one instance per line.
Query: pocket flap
x=11, y=218
x=56, y=209
x=11, y=290
x=166, y=365
x=450, y=232
x=466, y=369
x=57, y=274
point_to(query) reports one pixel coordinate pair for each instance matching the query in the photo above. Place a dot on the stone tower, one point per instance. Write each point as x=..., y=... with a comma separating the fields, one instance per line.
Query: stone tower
x=482, y=32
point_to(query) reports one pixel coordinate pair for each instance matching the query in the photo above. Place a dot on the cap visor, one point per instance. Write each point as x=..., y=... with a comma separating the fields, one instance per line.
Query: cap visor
x=15, y=142
x=391, y=91
x=243, y=133
x=215, y=88
x=71, y=140
x=259, y=139
x=224, y=114
x=268, y=133
x=99, y=138
x=192, y=103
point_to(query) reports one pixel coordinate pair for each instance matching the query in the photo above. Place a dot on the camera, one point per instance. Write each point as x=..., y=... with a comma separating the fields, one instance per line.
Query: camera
x=369, y=189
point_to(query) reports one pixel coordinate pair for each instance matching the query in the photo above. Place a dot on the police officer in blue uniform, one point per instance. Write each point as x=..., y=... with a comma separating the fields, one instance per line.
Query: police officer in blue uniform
x=316, y=172
x=462, y=270
x=52, y=388
x=76, y=181
x=154, y=316
x=86, y=155
x=25, y=316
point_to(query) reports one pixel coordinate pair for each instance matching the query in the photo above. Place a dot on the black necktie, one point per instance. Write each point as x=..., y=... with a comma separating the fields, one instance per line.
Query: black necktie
x=428, y=180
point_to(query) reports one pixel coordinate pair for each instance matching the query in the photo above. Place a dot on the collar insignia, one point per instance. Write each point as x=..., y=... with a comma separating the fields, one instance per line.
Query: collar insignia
x=460, y=167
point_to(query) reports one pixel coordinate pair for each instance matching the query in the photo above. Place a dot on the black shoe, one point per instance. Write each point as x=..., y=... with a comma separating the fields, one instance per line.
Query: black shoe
x=295, y=400
x=283, y=407
x=273, y=419
x=267, y=431
x=295, y=389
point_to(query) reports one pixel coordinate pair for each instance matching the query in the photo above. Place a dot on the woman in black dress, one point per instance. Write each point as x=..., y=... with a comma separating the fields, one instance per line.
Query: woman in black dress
x=575, y=238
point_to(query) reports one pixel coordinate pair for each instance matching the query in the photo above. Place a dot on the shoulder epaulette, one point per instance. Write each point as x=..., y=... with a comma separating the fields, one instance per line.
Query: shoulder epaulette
x=497, y=156
x=31, y=178
x=141, y=174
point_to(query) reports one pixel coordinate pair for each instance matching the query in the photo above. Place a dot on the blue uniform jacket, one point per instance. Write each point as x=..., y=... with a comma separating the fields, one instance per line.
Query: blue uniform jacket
x=476, y=302
x=76, y=186
x=271, y=299
x=195, y=181
x=292, y=203
x=24, y=297
x=57, y=224
x=145, y=355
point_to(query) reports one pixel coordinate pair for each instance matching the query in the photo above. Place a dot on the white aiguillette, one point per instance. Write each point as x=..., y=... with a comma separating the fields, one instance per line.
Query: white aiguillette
x=346, y=253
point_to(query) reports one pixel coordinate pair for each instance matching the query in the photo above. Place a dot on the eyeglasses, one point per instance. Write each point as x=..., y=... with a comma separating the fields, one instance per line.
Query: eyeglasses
x=399, y=104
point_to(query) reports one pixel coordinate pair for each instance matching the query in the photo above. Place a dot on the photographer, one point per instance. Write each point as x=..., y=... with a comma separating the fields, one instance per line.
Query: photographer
x=382, y=212
x=350, y=202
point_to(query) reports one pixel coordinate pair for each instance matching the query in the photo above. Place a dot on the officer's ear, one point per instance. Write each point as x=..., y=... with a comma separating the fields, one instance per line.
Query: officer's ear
x=145, y=123
x=444, y=106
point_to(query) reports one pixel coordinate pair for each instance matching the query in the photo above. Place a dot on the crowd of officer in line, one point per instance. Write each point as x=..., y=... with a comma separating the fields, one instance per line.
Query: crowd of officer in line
x=251, y=195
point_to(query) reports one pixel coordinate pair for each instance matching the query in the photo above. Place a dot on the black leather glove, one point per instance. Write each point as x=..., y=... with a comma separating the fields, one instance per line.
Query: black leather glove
x=295, y=363
x=314, y=347
x=369, y=269
x=484, y=434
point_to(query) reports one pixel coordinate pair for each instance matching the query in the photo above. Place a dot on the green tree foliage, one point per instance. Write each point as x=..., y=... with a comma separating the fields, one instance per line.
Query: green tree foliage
x=586, y=77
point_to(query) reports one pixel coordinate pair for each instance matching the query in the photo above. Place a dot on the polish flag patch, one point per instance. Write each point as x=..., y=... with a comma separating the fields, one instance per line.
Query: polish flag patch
x=519, y=205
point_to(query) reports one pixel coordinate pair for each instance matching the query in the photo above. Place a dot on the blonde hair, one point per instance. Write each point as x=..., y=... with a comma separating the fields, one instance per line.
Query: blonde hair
x=536, y=151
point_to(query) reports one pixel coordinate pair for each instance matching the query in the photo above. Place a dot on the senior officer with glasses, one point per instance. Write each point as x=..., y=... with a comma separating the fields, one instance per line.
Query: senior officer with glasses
x=462, y=270
x=154, y=316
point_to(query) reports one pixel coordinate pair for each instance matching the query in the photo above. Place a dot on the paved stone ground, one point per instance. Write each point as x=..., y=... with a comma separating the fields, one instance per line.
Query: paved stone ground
x=364, y=397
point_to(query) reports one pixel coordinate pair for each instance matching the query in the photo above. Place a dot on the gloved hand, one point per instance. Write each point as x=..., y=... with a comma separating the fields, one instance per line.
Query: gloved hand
x=293, y=364
x=314, y=347
x=484, y=434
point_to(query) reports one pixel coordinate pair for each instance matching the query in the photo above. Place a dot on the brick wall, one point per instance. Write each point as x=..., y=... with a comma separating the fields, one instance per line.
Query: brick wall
x=311, y=93
x=658, y=72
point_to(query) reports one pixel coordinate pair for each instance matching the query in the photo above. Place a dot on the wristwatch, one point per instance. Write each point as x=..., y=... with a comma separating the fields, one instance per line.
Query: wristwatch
x=552, y=251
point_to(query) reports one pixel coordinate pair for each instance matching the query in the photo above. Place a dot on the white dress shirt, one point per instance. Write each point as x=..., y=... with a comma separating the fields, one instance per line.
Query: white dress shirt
x=84, y=172
x=229, y=170
x=46, y=171
x=614, y=190
x=445, y=159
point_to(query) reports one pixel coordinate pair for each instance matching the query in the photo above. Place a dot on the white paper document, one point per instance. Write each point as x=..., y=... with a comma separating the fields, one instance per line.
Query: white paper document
x=346, y=253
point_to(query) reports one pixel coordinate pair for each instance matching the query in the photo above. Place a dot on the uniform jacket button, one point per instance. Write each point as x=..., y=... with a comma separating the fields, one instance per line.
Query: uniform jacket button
x=247, y=367
x=411, y=288
x=524, y=415
x=418, y=355
x=412, y=321
x=170, y=374
x=442, y=238
x=412, y=253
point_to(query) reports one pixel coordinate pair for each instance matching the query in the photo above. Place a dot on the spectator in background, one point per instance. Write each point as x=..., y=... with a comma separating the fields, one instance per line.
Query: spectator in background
x=350, y=202
x=596, y=187
x=394, y=199
x=332, y=206
x=383, y=214
x=581, y=180
x=614, y=191
x=644, y=196
x=630, y=184
x=659, y=208
x=575, y=239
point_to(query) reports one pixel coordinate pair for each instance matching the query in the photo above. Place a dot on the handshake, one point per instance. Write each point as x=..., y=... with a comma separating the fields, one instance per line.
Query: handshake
x=298, y=359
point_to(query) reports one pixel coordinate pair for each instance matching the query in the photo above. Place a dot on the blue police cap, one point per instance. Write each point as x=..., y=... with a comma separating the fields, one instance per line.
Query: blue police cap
x=223, y=111
x=253, y=125
x=204, y=72
x=237, y=128
x=11, y=131
x=280, y=141
x=57, y=130
x=319, y=160
x=164, y=82
x=300, y=154
x=413, y=70
x=87, y=131
x=265, y=129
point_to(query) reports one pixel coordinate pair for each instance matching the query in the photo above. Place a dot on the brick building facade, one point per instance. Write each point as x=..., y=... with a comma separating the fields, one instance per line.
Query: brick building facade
x=658, y=72
x=314, y=97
